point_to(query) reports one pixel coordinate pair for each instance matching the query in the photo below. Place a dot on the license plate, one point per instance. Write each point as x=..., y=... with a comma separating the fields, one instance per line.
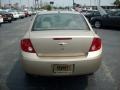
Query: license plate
x=63, y=68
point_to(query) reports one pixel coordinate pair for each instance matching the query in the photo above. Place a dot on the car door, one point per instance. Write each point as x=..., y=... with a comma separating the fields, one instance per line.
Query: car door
x=107, y=20
x=117, y=18
x=114, y=19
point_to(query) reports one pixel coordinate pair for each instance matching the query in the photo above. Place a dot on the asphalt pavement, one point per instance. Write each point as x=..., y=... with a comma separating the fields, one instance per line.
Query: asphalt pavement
x=12, y=76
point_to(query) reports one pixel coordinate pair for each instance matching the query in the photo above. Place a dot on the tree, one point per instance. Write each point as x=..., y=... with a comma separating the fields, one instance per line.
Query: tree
x=117, y=3
x=47, y=7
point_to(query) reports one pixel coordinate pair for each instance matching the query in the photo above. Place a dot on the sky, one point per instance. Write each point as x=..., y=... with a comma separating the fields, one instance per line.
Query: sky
x=62, y=2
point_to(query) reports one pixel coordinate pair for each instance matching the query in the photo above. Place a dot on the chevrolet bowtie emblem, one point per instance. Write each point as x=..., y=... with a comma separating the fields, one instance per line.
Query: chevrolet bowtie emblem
x=62, y=43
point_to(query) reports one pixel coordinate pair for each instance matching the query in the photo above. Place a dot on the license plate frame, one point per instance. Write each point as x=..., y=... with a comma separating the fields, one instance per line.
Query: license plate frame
x=63, y=68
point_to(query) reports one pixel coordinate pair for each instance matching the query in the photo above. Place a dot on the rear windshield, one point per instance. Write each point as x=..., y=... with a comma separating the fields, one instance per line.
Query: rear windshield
x=59, y=22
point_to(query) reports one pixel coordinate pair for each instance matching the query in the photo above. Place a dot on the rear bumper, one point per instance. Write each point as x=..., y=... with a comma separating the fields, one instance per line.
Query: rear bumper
x=43, y=66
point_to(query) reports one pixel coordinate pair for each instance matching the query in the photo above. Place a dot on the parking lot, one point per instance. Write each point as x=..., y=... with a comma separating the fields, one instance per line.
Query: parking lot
x=12, y=76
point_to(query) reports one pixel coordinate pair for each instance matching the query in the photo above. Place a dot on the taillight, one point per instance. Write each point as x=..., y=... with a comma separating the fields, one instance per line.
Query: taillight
x=96, y=44
x=26, y=46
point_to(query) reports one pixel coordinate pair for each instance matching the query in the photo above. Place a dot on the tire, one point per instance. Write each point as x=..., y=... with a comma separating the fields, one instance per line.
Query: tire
x=97, y=24
x=27, y=75
x=90, y=74
x=15, y=19
x=30, y=76
x=10, y=21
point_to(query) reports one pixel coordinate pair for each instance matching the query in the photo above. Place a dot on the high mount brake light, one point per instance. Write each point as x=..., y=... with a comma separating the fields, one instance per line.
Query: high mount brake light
x=61, y=38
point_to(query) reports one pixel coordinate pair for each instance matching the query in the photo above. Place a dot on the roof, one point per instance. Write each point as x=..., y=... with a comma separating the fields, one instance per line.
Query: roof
x=51, y=12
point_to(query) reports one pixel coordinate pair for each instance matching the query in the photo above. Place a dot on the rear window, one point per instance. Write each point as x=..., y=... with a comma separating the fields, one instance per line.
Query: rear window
x=59, y=22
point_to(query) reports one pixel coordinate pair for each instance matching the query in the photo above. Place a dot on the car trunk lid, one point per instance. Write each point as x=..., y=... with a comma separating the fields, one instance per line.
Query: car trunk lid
x=61, y=43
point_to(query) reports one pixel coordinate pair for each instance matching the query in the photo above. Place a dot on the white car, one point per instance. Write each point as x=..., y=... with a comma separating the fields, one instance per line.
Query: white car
x=15, y=14
x=29, y=12
x=1, y=19
x=21, y=14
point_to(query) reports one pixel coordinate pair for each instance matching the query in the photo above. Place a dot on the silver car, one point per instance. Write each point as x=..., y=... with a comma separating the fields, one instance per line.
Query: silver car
x=60, y=43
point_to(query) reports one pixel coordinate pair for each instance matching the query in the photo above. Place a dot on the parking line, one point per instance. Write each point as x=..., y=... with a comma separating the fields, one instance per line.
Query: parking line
x=108, y=72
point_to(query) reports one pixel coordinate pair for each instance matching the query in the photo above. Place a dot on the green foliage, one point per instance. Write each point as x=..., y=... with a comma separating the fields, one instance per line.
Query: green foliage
x=47, y=7
x=117, y=2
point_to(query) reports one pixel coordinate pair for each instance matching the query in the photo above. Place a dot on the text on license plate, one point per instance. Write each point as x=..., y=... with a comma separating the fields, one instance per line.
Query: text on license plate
x=63, y=68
